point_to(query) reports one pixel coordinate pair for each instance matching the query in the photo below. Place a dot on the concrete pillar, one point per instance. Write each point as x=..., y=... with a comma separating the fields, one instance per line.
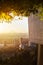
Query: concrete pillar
x=38, y=58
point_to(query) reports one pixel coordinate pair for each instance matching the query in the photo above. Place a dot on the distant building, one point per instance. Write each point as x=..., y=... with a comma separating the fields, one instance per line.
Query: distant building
x=24, y=43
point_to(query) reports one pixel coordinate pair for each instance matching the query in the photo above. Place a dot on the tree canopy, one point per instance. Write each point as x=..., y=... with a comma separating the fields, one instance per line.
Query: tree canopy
x=24, y=7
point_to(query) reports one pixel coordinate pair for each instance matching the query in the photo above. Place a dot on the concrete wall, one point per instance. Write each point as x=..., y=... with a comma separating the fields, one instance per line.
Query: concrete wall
x=35, y=29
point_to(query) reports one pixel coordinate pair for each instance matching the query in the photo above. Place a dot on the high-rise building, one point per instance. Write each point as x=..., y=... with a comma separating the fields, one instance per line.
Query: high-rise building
x=36, y=34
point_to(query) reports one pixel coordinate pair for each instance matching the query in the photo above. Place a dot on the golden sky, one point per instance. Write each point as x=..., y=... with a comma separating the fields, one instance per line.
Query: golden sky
x=16, y=26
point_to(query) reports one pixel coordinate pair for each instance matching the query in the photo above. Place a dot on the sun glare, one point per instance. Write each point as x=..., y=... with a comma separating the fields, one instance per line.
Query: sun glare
x=18, y=24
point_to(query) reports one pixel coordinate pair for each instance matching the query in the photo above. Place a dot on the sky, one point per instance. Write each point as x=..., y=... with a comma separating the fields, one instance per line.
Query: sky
x=16, y=26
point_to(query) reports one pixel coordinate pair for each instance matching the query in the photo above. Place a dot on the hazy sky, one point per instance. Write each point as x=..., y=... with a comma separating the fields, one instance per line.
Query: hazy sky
x=17, y=26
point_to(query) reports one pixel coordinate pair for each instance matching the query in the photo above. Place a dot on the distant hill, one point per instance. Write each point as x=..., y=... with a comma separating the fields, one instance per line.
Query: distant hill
x=13, y=35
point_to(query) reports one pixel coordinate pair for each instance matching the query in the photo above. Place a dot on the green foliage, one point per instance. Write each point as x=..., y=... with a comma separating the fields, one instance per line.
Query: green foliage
x=21, y=6
x=40, y=12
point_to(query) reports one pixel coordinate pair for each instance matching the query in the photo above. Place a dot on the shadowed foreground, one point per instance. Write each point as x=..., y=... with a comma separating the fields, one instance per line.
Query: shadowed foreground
x=18, y=56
